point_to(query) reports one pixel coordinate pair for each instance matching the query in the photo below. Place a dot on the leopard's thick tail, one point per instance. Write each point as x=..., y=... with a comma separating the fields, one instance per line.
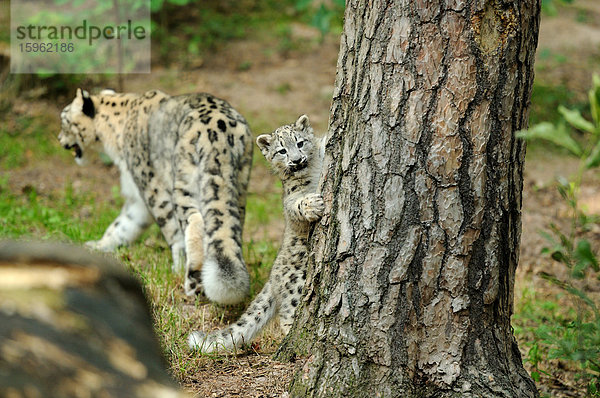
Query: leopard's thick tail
x=258, y=314
x=223, y=186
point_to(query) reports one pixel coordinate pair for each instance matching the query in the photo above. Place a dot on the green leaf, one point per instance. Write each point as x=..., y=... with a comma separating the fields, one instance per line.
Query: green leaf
x=585, y=256
x=560, y=257
x=565, y=241
x=593, y=160
x=554, y=280
x=555, y=134
x=566, y=189
x=594, y=96
x=574, y=118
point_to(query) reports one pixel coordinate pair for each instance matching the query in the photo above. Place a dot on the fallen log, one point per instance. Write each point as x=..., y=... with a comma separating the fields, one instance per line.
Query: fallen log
x=75, y=324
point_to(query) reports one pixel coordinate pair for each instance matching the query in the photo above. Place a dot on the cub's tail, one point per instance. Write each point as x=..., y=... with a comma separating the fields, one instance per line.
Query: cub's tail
x=258, y=314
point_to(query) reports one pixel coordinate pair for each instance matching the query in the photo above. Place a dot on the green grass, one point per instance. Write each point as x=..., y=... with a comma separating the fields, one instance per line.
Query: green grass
x=55, y=216
x=51, y=216
x=544, y=326
x=28, y=139
x=531, y=314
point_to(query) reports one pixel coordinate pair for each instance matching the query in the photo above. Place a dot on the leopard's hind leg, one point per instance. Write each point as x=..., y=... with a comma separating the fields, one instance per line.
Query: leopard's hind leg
x=192, y=224
x=194, y=254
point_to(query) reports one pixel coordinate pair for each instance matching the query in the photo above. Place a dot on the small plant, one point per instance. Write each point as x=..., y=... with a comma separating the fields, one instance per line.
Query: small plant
x=549, y=6
x=588, y=147
x=577, y=339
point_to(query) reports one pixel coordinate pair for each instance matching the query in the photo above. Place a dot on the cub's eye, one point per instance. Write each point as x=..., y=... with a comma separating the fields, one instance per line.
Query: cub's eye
x=300, y=144
x=282, y=151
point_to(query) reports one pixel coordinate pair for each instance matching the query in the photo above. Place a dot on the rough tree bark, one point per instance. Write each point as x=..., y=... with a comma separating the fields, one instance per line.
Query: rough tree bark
x=410, y=289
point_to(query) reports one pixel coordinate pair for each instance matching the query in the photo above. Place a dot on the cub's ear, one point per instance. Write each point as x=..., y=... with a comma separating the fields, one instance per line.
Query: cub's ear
x=303, y=123
x=264, y=142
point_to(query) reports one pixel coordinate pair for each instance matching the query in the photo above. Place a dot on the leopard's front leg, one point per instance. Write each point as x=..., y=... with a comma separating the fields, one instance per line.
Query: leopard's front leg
x=133, y=220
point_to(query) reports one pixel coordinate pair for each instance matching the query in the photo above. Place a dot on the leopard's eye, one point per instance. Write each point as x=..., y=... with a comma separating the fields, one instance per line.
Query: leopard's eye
x=300, y=144
x=282, y=151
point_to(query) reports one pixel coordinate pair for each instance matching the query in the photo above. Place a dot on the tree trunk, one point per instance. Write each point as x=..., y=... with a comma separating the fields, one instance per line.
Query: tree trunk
x=410, y=290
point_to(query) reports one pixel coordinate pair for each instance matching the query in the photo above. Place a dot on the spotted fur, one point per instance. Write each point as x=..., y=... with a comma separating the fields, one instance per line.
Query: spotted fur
x=184, y=163
x=296, y=156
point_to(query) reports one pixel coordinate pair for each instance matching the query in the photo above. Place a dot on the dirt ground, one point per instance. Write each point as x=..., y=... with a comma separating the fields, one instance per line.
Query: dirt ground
x=276, y=88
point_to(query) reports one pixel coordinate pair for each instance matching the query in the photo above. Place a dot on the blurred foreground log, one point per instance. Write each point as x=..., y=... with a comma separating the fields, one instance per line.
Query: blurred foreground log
x=75, y=324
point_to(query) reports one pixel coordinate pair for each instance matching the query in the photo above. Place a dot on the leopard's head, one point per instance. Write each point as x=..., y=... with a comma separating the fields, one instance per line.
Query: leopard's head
x=77, y=125
x=290, y=148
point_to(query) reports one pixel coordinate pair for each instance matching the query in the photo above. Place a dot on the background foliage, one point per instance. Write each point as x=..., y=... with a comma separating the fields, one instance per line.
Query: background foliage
x=574, y=336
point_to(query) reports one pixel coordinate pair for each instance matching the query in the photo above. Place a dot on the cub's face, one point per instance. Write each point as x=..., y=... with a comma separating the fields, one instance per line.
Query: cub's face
x=290, y=148
x=77, y=127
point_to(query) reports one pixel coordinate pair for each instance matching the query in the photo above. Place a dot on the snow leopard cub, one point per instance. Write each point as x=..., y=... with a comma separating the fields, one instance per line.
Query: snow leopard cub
x=296, y=156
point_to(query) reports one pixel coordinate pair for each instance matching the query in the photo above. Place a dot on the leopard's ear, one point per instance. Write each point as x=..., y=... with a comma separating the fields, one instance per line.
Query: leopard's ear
x=83, y=103
x=88, y=105
x=77, y=104
x=264, y=143
x=303, y=123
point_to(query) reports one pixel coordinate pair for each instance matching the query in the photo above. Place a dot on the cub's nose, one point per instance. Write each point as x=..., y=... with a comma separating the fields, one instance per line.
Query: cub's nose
x=298, y=162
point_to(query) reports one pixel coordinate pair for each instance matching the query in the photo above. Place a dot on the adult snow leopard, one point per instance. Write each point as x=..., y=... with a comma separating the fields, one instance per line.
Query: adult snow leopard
x=296, y=156
x=185, y=163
